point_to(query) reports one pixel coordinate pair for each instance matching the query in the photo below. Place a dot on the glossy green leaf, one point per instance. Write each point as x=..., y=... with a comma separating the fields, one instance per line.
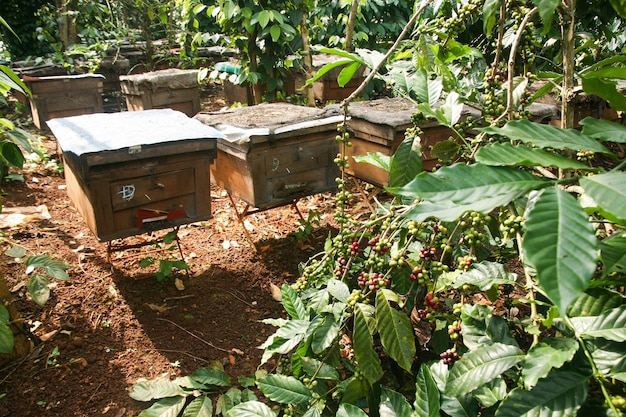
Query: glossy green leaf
x=482, y=328
x=12, y=154
x=490, y=13
x=547, y=136
x=603, y=129
x=263, y=17
x=165, y=407
x=211, y=376
x=406, y=162
x=321, y=370
x=459, y=406
x=355, y=389
x=393, y=404
x=445, y=150
x=349, y=410
x=608, y=356
x=199, y=407
x=485, y=275
x=506, y=154
x=613, y=254
x=448, y=211
x=5, y=317
x=7, y=339
x=560, y=394
x=607, y=89
x=338, y=289
x=608, y=191
x=491, y=393
x=376, y=159
x=550, y=354
x=16, y=251
x=292, y=303
x=427, y=399
x=346, y=73
x=154, y=389
x=479, y=366
x=560, y=244
x=12, y=80
x=284, y=389
x=39, y=288
x=395, y=330
x=251, y=409
x=609, y=325
x=546, y=12
x=466, y=184
x=325, y=333
x=595, y=301
x=364, y=353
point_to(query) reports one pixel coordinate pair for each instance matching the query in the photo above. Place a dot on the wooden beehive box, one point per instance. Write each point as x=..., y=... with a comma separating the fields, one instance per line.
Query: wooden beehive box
x=379, y=126
x=170, y=88
x=133, y=172
x=64, y=96
x=274, y=153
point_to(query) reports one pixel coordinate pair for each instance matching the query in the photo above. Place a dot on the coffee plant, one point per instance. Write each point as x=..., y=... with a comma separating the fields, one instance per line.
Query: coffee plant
x=491, y=286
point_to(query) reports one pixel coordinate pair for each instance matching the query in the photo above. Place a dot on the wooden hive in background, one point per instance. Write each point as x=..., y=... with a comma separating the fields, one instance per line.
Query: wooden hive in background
x=274, y=153
x=170, y=88
x=64, y=96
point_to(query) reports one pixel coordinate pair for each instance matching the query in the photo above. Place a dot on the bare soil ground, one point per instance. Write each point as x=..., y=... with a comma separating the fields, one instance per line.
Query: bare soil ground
x=114, y=322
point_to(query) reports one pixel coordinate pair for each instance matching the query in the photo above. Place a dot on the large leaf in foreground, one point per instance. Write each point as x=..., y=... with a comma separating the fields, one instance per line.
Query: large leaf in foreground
x=613, y=254
x=547, y=136
x=560, y=243
x=543, y=357
x=251, y=409
x=406, y=162
x=449, y=212
x=366, y=357
x=480, y=366
x=465, y=184
x=396, y=332
x=610, y=325
x=166, y=407
x=608, y=191
x=560, y=394
x=604, y=129
x=199, y=407
x=284, y=389
x=506, y=154
x=426, y=394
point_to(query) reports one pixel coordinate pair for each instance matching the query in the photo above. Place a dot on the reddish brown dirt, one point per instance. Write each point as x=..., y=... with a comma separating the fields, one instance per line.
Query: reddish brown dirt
x=114, y=323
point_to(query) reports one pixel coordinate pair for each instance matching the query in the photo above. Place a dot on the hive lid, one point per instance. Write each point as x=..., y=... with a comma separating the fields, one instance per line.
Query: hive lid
x=269, y=121
x=103, y=138
x=173, y=78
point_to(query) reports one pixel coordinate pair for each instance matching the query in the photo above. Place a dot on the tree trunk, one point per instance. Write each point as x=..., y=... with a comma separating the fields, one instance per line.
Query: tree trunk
x=257, y=91
x=308, y=60
x=566, y=12
x=67, y=26
x=22, y=345
x=351, y=23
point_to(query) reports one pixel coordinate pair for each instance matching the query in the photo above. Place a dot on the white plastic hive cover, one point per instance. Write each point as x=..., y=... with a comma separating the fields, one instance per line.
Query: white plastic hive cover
x=99, y=132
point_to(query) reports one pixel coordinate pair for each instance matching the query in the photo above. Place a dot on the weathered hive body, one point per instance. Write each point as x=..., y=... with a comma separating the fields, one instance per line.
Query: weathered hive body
x=132, y=172
x=274, y=153
x=171, y=88
x=64, y=96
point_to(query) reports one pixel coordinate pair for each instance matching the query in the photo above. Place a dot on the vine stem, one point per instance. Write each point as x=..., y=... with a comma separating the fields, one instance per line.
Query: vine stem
x=511, y=64
x=344, y=104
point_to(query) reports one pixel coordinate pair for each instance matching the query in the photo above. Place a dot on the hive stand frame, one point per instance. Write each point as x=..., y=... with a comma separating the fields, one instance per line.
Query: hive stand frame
x=249, y=210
